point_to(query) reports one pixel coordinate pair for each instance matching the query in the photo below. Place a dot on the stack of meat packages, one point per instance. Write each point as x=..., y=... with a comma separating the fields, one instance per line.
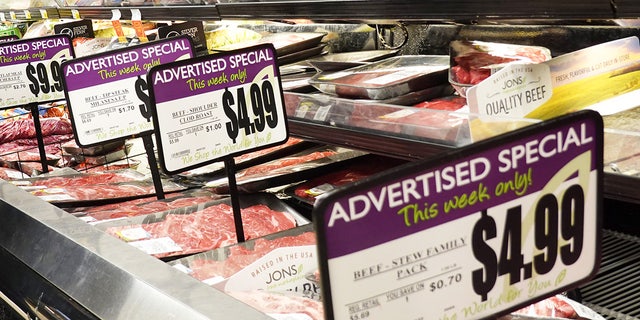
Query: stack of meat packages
x=382, y=91
x=19, y=145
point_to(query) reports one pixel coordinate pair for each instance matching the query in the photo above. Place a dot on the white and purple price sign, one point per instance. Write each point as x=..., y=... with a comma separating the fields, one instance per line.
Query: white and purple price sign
x=30, y=70
x=218, y=105
x=107, y=93
x=474, y=234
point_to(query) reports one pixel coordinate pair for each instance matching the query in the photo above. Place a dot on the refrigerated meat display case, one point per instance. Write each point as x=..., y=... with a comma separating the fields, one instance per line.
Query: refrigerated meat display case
x=56, y=266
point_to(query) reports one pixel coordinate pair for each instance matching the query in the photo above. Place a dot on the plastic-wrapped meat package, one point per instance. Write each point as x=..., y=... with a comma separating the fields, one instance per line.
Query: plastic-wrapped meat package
x=207, y=229
x=558, y=307
x=366, y=116
x=239, y=256
x=387, y=78
x=145, y=206
x=474, y=61
x=285, y=162
x=421, y=121
x=25, y=129
x=87, y=179
x=371, y=164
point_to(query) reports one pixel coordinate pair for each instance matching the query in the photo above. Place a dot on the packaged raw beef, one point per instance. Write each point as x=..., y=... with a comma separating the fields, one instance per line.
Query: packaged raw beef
x=212, y=267
x=24, y=128
x=51, y=144
x=558, y=307
x=386, y=78
x=287, y=170
x=291, y=146
x=431, y=120
x=78, y=179
x=144, y=206
x=124, y=164
x=204, y=226
x=33, y=168
x=318, y=107
x=308, y=191
x=80, y=195
x=474, y=61
x=71, y=188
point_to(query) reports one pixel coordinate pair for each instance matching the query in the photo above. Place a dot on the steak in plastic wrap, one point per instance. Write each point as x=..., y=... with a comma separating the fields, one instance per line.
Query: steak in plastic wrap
x=370, y=165
x=25, y=129
x=558, y=307
x=285, y=162
x=51, y=144
x=96, y=192
x=239, y=257
x=87, y=179
x=474, y=61
x=437, y=125
x=387, y=78
x=212, y=227
x=145, y=206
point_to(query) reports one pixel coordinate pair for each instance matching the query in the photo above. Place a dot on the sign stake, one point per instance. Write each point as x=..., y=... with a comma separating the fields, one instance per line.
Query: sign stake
x=153, y=165
x=230, y=168
x=36, y=124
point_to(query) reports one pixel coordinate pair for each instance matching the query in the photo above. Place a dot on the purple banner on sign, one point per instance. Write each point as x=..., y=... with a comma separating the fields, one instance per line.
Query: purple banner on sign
x=124, y=63
x=463, y=186
x=214, y=72
x=33, y=50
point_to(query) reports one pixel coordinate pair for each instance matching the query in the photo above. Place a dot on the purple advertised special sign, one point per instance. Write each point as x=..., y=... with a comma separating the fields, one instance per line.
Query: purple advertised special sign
x=30, y=70
x=217, y=105
x=107, y=93
x=497, y=225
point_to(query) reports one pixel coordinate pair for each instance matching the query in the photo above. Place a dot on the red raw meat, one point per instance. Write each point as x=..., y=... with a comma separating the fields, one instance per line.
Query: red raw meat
x=285, y=162
x=103, y=191
x=214, y=227
x=472, y=67
x=248, y=156
x=27, y=156
x=130, y=210
x=31, y=144
x=451, y=103
x=270, y=302
x=240, y=256
x=354, y=173
x=366, y=116
x=84, y=180
x=550, y=307
x=25, y=129
x=120, y=165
